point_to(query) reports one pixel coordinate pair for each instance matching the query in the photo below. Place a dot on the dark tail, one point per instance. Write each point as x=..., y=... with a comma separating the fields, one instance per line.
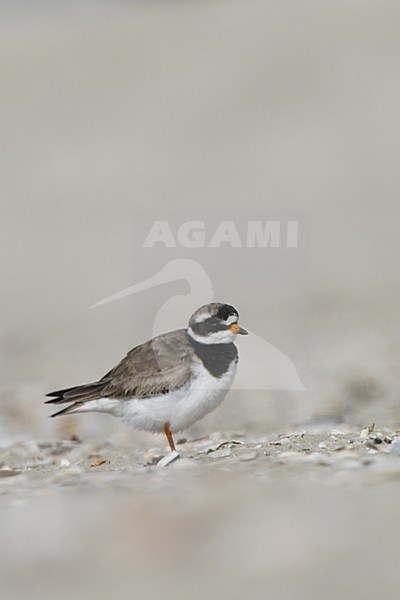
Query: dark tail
x=78, y=395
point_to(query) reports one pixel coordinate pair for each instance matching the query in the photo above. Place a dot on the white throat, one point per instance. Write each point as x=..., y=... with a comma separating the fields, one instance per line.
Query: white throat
x=218, y=337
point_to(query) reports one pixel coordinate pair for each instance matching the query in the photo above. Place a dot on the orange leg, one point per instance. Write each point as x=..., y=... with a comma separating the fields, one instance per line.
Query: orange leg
x=169, y=437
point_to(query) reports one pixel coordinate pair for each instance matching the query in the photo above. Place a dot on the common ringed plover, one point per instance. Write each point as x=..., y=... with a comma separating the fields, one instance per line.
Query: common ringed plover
x=169, y=382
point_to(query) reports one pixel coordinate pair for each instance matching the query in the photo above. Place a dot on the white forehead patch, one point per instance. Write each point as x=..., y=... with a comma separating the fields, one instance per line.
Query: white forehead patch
x=231, y=319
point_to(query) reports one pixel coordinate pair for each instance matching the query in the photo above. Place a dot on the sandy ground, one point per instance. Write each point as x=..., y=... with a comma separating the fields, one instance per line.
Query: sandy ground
x=292, y=515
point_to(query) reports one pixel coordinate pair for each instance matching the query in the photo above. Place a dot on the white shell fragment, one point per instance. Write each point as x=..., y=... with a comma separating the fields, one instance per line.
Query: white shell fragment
x=168, y=459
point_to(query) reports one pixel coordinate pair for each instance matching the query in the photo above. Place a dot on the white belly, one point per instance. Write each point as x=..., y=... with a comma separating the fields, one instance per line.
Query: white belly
x=180, y=408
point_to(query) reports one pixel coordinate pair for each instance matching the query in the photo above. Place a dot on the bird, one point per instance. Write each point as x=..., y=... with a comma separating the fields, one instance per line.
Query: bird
x=169, y=382
x=263, y=365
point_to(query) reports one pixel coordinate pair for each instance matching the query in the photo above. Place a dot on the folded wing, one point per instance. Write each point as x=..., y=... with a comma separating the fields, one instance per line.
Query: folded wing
x=151, y=369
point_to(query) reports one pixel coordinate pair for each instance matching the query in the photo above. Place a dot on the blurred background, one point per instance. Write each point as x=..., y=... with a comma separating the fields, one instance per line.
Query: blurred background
x=113, y=113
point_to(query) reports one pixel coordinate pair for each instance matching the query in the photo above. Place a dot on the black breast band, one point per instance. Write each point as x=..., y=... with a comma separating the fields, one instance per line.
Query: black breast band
x=216, y=358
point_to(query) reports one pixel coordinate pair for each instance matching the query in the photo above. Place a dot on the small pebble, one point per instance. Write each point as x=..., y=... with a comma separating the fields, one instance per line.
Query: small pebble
x=247, y=456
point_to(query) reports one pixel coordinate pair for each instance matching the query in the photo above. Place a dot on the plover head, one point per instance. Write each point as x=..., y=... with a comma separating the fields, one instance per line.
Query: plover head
x=215, y=323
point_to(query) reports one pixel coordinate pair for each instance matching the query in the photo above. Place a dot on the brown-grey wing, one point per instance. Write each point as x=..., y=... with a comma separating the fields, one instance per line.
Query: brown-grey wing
x=154, y=368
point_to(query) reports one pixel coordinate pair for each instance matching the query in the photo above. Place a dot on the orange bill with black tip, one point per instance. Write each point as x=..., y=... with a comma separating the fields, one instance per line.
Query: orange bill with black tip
x=236, y=329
